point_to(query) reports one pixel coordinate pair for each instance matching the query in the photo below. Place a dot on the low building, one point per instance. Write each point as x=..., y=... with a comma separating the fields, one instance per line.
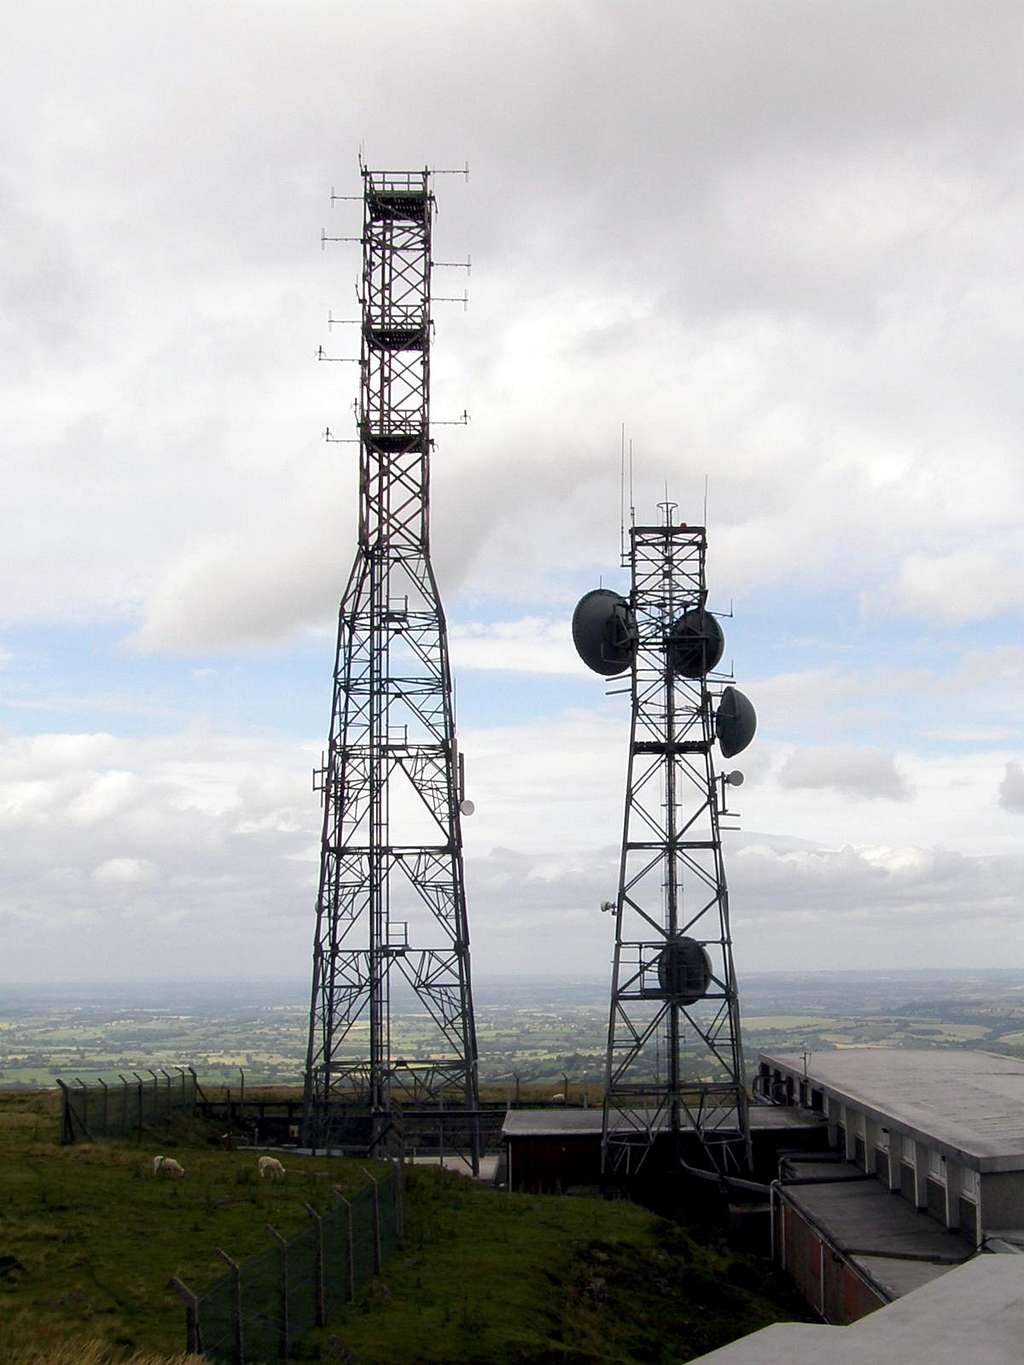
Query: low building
x=942, y=1128
x=555, y=1149
x=928, y=1167
x=974, y=1313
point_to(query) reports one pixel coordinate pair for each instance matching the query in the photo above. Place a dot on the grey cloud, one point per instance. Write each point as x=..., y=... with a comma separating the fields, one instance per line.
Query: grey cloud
x=1011, y=789
x=849, y=769
x=927, y=884
x=813, y=220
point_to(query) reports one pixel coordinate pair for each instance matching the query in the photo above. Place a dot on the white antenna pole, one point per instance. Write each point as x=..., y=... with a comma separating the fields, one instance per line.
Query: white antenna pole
x=622, y=495
x=632, y=504
x=705, y=502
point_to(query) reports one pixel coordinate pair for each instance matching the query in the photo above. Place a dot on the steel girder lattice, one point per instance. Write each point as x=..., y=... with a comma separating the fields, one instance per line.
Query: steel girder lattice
x=673, y=1064
x=391, y=866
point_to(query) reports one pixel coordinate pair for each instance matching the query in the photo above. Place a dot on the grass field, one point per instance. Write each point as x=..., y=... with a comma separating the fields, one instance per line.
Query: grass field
x=89, y=1240
x=491, y=1278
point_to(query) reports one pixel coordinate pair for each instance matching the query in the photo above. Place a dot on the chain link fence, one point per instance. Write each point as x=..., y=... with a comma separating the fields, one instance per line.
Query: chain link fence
x=255, y=1313
x=126, y=1106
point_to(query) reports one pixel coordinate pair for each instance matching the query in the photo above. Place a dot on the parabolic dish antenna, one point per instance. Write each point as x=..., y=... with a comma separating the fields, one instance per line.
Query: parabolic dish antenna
x=735, y=722
x=695, y=643
x=467, y=807
x=604, y=631
x=684, y=970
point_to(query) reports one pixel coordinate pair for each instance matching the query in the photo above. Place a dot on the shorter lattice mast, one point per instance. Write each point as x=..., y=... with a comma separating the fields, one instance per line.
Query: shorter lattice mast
x=674, y=1065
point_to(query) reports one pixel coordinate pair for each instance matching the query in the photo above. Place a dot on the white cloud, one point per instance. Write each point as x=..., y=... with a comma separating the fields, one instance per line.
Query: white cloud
x=125, y=871
x=854, y=771
x=961, y=586
x=532, y=644
x=104, y=797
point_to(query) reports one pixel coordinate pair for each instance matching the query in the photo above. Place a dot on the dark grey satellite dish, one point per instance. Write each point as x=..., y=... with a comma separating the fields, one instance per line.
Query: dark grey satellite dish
x=695, y=643
x=684, y=971
x=604, y=631
x=735, y=722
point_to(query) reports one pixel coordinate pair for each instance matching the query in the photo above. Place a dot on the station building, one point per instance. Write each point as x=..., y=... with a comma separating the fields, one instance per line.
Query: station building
x=556, y=1149
x=927, y=1168
x=974, y=1313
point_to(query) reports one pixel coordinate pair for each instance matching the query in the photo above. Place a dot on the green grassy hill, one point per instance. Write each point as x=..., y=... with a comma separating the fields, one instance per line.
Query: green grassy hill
x=89, y=1240
x=496, y=1279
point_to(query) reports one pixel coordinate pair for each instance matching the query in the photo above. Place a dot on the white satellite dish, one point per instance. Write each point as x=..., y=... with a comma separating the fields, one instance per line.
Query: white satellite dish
x=467, y=807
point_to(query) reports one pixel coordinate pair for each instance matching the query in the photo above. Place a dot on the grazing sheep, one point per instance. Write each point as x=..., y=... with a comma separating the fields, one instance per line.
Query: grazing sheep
x=269, y=1165
x=558, y=1099
x=166, y=1165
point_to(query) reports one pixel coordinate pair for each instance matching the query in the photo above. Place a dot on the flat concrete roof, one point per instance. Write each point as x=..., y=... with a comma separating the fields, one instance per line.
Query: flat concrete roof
x=973, y=1313
x=900, y=1277
x=862, y=1218
x=552, y=1123
x=589, y=1122
x=969, y=1103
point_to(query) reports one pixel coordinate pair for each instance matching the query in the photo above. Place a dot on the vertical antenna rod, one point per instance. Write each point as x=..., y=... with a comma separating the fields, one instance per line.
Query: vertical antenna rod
x=622, y=495
x=391, y=904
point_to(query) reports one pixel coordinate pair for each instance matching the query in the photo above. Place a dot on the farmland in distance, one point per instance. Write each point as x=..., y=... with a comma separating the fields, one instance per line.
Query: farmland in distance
x=541, y=1031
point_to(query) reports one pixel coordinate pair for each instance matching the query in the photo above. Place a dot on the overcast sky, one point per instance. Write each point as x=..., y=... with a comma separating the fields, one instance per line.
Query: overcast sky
x=781, y=242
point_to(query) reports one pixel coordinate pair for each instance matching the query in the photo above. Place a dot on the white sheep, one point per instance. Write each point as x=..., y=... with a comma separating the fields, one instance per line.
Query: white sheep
x=166, y=1165
x=558, y=1099
x=269, y=1165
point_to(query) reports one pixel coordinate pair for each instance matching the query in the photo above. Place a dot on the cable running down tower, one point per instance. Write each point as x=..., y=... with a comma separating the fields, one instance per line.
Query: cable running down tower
x=391, y=904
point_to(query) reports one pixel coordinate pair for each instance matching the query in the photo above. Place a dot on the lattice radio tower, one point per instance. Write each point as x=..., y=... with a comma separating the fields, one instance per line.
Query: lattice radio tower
x=674, y=1064
x=391, y=902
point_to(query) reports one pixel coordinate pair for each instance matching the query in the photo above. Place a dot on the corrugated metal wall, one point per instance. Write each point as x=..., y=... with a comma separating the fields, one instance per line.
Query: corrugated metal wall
x=829, y=1284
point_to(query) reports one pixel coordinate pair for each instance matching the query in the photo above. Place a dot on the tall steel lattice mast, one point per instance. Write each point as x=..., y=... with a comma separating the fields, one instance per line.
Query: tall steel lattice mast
x=674, y=1062
x=391, y=904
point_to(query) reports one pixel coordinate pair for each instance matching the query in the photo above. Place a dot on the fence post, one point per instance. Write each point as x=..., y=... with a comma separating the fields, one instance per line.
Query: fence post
x=193, y=1337
x=319, y=1284
x=283, y=1245
x=399, y=1176
x=197, y=1089
x=168, y=1080
x=80, y=1117
x=124, y=1103
x=85, y=1103
x=378, y=1259
x=139, y=1097
x=350, y=1243
x=181, y=1072
x=106, y=1107
x=236, y=1272
x=66, y=1133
